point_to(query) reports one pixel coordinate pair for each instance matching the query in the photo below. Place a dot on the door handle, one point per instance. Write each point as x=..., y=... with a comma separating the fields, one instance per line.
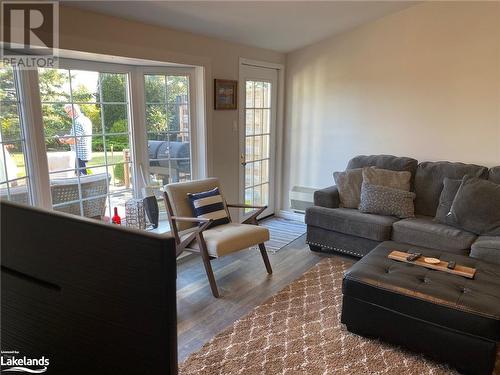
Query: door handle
x=242, y=160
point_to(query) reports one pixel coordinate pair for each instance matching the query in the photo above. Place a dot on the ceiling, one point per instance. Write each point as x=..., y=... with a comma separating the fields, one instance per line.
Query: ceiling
x=278, y=25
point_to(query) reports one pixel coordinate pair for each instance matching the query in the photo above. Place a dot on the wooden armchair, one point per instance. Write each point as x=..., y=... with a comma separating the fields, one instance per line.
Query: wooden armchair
x=192, y=233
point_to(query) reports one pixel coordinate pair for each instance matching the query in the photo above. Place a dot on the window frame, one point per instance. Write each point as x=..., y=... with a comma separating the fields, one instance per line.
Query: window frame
x=193, y=125
x=19, y=104
x=36, y=153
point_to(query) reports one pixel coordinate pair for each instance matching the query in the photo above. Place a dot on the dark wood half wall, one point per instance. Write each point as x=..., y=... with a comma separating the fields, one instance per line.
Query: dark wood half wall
x=90, y=297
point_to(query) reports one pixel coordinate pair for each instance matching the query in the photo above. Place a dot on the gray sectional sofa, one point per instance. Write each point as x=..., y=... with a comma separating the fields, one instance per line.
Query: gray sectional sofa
x=349, y=231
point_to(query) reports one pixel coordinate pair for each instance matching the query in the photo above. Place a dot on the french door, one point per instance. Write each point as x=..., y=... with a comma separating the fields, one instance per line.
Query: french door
x=258, y=99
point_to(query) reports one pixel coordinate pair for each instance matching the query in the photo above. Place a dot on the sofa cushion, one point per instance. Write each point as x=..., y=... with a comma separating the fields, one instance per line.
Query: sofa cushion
x=476, y=207
x=424, y=231
x=486, y=248
x=494, y=175
x=383, y=200
x=450, y=188
x=393, y=163
x=350, y=221
x=349, y=184
x=385, y=177
x=429, y=182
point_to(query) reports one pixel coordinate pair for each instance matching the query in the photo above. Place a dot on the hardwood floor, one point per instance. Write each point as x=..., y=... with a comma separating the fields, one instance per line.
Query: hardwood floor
x=243, y=284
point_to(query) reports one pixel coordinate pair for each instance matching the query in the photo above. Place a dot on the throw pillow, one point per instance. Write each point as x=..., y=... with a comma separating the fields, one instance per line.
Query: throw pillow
x=383, y=200
x=349, y=186
x=476, y=207
x=385, y=177
x=450, y=188
x=209, y=205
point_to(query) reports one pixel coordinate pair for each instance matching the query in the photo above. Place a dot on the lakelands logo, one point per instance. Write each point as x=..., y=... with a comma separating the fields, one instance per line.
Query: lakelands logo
x=11, y=361
x=30, y=33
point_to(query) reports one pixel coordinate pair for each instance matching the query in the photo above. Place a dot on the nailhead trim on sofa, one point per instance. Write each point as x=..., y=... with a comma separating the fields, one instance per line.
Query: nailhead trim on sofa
x=335, y=249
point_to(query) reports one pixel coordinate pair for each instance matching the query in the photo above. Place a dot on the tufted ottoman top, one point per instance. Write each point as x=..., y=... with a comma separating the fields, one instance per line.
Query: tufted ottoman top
x=466, y=305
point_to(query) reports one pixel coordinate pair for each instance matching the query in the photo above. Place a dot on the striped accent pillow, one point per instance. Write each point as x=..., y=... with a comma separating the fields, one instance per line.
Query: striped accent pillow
x=209, y=205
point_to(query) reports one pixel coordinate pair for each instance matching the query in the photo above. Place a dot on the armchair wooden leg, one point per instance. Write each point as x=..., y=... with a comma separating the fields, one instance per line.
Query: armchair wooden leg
x=208, y=267
x=263, y=252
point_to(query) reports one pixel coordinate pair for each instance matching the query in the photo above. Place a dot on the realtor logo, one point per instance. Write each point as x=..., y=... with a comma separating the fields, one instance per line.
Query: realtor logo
x=11, y=361
x=30, y=33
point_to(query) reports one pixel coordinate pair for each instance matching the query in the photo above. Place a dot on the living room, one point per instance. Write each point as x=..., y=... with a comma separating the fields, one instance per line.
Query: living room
x=251, y=187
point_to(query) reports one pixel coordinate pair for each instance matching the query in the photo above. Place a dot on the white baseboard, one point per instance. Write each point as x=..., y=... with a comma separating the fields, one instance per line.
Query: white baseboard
x=290, y=215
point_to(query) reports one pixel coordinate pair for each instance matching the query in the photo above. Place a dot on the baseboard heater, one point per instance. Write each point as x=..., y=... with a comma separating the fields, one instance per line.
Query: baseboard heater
x=301, y=197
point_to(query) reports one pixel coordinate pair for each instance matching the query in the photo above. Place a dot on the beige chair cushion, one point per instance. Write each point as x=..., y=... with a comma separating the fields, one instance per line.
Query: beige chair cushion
x=229, y=238
x=177, y=194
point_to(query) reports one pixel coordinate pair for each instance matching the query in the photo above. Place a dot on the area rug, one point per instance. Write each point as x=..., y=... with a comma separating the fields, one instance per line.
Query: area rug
x=298, y=331
x=282, y=232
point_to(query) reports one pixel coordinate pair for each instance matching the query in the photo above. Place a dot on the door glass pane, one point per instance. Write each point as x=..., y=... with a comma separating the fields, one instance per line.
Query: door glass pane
x=265, y=194
x=258, y=94
x=84, y=86
x=266, y=120
x=115, y=118
x=257, y=147
x=168, y=122
x=248, y=175
x=155, y=88
x=156, y=118
x=11, y=123
x=258, y=121
x=249, y=121
x=249, y=150
x=113, y=87
x=87, y=137
x=267, y=95
x=265, y=170
x=257, y=172
x=249, y=94
x=54, y=85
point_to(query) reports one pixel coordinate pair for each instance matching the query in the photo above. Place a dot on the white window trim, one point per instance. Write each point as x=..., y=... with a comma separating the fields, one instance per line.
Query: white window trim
x=198, y=155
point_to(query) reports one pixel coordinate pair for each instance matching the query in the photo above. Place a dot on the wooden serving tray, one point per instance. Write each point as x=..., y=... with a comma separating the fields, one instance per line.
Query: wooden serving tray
x=441, y=266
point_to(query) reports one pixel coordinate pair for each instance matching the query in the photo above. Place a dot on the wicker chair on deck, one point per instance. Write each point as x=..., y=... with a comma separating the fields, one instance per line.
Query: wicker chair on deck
x=94, y=189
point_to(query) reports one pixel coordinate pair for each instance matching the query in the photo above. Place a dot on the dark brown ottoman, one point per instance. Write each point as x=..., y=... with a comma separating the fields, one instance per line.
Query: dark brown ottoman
x=447, y=317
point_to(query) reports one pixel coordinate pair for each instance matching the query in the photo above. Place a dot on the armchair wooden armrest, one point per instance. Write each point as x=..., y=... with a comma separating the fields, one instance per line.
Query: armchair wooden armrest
x=242, y=205
x=253, y=218
x=196, y=232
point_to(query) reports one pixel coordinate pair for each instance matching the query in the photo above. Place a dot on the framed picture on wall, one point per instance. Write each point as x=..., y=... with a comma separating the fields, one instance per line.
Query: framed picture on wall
x=225, y=94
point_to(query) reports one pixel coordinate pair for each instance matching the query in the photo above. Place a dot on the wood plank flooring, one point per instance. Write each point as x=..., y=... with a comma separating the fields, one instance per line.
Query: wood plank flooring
x=243, y=284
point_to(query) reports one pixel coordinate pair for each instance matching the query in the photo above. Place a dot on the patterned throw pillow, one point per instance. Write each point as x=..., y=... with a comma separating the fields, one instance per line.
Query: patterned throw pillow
x=382, y=200
x=209, y=205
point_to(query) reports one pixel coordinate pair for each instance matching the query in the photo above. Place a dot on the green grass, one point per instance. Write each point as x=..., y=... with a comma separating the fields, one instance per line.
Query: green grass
x=98, y=158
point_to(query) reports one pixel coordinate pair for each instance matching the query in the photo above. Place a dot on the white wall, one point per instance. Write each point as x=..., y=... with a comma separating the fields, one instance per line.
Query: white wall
x=423, y=82
x=98, y=33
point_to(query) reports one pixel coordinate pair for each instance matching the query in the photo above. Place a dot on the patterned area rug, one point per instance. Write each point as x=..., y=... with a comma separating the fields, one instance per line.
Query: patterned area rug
x=282, y=232
x=298, y=331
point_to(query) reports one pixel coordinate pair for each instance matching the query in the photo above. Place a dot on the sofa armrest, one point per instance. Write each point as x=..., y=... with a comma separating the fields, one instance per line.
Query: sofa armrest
x=486, y=248
x=328, y=197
